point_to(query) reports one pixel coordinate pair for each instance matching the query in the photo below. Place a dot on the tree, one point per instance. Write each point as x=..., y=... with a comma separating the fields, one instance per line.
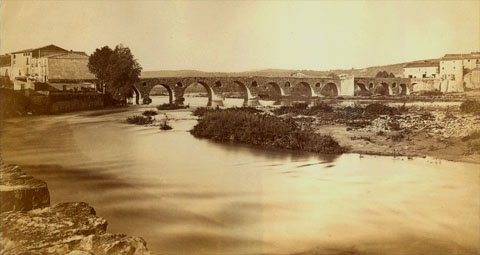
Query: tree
x=382, y=74
x=391, y=75
x=117, y=70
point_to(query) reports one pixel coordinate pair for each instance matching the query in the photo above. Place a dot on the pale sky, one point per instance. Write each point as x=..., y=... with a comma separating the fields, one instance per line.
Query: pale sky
x=248, y=35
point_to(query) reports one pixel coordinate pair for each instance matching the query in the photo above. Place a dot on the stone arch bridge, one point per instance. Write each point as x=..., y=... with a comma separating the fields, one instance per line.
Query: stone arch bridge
x=253, y=88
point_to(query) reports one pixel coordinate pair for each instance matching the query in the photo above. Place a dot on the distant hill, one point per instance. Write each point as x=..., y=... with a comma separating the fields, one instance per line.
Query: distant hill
x=396, y=69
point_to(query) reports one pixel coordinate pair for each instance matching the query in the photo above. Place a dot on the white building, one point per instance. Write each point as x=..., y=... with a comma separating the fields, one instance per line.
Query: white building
x=454, y=68
x=425, y=69
x=49, y=64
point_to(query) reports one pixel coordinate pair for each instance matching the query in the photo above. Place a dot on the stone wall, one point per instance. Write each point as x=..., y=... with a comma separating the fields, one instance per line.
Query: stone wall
x=30, y=226
x=69, y=66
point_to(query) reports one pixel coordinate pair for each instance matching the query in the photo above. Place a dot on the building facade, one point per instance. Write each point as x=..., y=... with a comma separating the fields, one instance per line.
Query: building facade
x=48, y=64
x=451, y=73
x=426, y=69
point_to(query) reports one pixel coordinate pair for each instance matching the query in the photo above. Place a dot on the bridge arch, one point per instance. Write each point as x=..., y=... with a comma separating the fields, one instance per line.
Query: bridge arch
x=361, y=90
x=136, y=95
x=247, y=94
x=205, y=85
x=404, y=89
x=275, y=87
x=383, y=89
x=303, y=89
x=171, y=92
x=330, y=89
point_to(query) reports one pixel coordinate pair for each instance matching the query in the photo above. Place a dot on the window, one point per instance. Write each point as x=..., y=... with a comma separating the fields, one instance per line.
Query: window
x=27, y=60
x=424, y=76
x=19, y=72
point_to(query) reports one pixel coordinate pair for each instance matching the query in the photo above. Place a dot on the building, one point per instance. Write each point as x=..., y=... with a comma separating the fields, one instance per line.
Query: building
x=5, y=65
x=49, y=64
x=454, y=68
x=451, y=73
x=425, y=69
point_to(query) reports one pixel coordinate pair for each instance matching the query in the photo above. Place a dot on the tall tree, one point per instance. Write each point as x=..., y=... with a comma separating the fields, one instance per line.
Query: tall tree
x=116, y=69
x=98, y=62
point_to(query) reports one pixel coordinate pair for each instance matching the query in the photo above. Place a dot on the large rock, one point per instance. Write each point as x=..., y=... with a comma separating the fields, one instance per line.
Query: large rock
x=21, y=192
x=66, y=228
x=29, y=226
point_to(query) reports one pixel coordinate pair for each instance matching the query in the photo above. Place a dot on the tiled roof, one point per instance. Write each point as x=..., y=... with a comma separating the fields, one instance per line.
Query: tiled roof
x=473, y=55
x=421, y=64
x=30, y=50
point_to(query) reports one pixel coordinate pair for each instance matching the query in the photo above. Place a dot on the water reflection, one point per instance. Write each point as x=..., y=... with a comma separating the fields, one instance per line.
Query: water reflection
x=193, y=196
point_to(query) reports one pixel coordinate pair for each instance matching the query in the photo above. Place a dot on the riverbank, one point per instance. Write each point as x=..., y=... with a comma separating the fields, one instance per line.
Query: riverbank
x=414, y=131
x=29, y=225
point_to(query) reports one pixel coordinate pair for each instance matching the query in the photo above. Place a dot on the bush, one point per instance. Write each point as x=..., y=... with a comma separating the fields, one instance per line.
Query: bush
x=171, y=106
x=165, y=126
x=149, y=113
x=470, y=106
x=303, y=109
x=139, y=120
x=474, y=135
x=380, y=109
x=204, y=110
x=265, y=130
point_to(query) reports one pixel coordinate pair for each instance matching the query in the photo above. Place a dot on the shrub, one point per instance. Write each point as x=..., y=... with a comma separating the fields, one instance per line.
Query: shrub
x=380, y=109
x=171, y=106
x=139, y=120
x=470, y=106
x=165, y=126
x=303, y=109
x=474, y=135
x=200, y=111
x=265, y=130
x=149, y=113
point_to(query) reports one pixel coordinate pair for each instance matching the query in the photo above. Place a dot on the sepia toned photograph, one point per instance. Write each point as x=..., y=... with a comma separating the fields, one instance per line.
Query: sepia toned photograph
x=239, y=127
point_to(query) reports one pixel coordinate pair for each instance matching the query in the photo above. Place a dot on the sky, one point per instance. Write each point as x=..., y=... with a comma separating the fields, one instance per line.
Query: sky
x=229, y=36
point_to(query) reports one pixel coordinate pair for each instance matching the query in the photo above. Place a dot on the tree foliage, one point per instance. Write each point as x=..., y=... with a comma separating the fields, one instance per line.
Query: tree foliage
x=116, y=69
x=384, y=74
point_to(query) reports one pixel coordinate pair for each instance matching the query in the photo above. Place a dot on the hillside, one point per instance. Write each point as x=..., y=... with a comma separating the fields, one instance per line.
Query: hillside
x=396, y=69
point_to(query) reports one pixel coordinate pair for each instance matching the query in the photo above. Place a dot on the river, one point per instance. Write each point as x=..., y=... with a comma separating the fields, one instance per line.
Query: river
x=185, y=195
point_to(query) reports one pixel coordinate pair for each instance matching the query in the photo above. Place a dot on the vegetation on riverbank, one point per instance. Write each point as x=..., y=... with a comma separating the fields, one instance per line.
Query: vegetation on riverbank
x=245, y=126
x=168, y=106
x=140, y=120
x=201, y=111
x=470, y=106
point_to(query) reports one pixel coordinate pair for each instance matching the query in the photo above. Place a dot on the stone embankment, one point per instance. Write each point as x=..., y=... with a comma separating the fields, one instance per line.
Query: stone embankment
x=29, y=225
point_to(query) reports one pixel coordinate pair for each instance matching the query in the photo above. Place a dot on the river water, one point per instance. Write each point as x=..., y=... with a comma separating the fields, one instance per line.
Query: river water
x=185, y=195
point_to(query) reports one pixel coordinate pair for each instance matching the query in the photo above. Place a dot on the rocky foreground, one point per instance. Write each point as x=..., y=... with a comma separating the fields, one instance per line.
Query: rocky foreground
x=29, y=225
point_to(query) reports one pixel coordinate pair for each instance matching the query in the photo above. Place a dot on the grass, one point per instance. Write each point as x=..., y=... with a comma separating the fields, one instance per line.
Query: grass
x=243, y=126
x=169, y=106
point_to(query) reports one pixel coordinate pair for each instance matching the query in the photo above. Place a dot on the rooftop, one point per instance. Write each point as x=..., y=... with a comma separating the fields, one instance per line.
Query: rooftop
x=51, y=46
x=472, y=55
x=422, y=64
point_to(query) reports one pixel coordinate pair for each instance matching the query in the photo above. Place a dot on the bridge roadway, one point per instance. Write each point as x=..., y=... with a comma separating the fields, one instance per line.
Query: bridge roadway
x=253, y=88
